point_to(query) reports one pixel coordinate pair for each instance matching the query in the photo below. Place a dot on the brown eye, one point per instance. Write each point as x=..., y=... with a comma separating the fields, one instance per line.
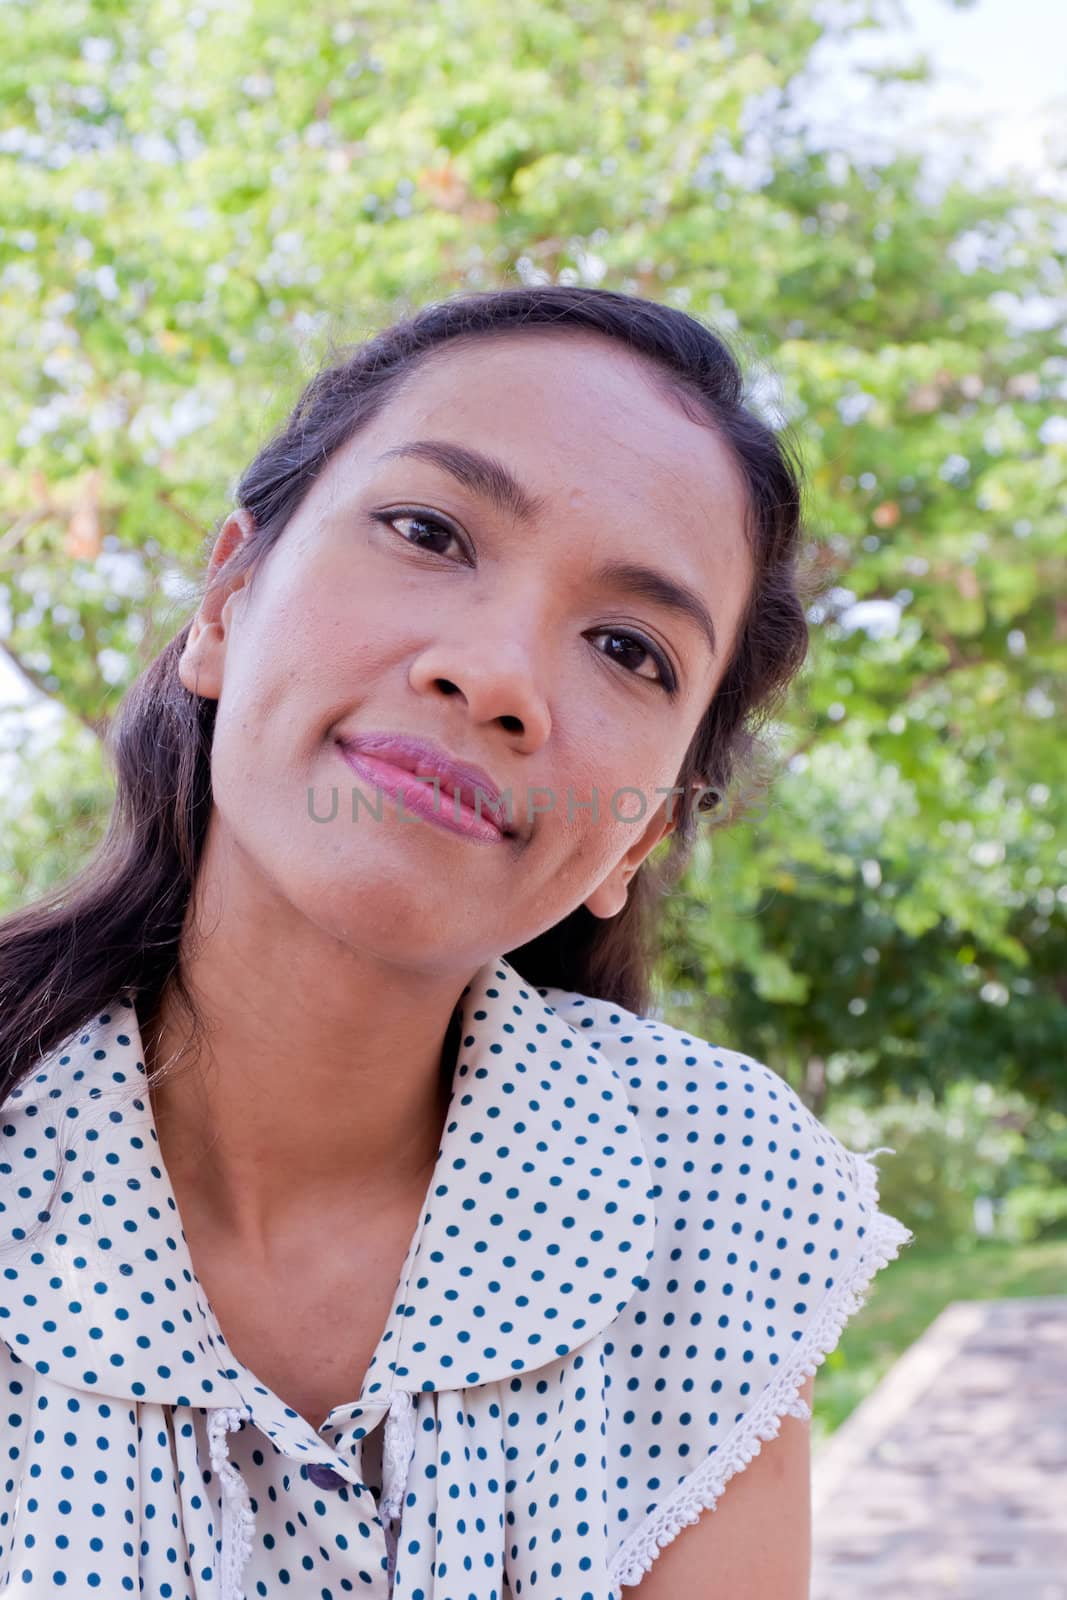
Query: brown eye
x=429, y=531
x=631, y=643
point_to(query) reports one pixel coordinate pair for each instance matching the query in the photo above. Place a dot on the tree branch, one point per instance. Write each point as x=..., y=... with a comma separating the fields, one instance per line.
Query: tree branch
x=97, y=726
x=11, y=538
x=164, y=498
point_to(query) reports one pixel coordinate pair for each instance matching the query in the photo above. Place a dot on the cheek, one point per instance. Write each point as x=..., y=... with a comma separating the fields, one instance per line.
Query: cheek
x=626, y=766
x=299, y=660
x=302, y=651
x=625, y=783
x=335, y=629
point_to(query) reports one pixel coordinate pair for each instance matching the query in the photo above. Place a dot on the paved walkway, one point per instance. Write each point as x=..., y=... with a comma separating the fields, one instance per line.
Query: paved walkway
x=951, y=1478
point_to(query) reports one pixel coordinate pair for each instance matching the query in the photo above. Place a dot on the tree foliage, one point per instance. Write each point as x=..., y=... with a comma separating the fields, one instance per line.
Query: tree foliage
x=200, y=199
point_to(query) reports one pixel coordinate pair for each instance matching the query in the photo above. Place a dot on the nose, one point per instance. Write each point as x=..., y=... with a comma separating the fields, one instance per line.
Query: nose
x=495, y=680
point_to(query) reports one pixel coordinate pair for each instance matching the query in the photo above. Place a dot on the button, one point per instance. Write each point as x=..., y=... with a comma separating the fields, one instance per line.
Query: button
x=324, y=1477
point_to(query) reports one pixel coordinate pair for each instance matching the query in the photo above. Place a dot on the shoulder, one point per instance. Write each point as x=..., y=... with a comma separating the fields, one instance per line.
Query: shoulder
x=707, y=1107
x=736, y=1156
x=768, y=1233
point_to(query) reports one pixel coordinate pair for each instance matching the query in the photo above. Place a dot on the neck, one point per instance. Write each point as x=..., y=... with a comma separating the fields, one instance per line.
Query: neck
x=321, y=1079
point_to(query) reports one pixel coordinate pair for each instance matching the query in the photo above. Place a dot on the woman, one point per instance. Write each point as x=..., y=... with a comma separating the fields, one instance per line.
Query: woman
x=363, y=1233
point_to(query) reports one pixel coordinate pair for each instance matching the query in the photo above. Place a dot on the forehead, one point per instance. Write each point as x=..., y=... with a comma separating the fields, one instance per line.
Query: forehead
x=574, y=415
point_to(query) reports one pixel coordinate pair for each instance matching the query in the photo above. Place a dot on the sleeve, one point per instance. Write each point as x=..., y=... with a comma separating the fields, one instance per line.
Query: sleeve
x=768, y=1234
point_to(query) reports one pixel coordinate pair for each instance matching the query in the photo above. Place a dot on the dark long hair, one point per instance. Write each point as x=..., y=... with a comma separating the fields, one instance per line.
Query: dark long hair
x=115, y=928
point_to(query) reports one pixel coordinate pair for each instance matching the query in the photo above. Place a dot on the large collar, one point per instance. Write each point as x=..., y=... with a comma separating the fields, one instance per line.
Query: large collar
x=535, y=1231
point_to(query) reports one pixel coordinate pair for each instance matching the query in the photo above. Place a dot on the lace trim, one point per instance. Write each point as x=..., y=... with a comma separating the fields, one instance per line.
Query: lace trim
x=700, y=1491
x=397, y=1450
x=238, y=1518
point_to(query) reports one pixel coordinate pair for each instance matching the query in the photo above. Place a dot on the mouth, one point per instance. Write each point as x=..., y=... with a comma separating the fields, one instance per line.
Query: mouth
x=427, y=781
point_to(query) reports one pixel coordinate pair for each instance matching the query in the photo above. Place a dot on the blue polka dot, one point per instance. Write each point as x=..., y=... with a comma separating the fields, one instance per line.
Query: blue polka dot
x=609, y=1269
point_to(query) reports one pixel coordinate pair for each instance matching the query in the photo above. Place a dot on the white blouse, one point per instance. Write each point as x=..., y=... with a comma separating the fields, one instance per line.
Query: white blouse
x=633, y=1249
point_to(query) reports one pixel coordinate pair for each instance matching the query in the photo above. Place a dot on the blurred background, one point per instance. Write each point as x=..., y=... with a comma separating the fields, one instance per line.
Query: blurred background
x=199, y=200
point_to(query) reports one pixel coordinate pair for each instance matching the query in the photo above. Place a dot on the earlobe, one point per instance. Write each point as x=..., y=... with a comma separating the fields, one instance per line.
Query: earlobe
x=609, y=897
x=198, y=668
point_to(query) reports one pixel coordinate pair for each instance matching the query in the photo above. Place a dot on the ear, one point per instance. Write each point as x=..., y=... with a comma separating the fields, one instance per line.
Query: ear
x=609, y=896
x=201, y=665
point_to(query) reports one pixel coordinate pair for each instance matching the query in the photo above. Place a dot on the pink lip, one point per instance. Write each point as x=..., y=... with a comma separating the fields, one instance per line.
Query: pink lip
x=465, y=794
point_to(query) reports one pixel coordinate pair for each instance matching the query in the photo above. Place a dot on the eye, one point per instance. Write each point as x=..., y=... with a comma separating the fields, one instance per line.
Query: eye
x=421, y=521
x=630, y=642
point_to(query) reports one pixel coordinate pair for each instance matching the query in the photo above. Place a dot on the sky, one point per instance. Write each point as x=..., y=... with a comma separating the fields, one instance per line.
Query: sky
x=999, y=63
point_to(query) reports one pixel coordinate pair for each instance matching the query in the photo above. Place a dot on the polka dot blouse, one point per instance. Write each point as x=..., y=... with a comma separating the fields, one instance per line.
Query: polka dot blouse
x=633, y=1249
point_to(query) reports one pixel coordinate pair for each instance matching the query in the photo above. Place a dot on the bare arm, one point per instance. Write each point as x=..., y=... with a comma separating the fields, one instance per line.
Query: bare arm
x=756, y=1543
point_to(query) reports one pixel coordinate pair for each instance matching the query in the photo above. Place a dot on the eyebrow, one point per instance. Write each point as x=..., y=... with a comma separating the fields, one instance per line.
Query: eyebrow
x=484, y=474
x=648, y=583
x=490, y=478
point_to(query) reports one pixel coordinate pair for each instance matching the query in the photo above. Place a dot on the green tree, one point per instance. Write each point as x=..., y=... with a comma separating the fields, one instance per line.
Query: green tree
x=198, y=199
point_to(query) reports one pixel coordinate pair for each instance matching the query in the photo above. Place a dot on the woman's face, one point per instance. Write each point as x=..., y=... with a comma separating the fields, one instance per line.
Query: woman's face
x=404, y=598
